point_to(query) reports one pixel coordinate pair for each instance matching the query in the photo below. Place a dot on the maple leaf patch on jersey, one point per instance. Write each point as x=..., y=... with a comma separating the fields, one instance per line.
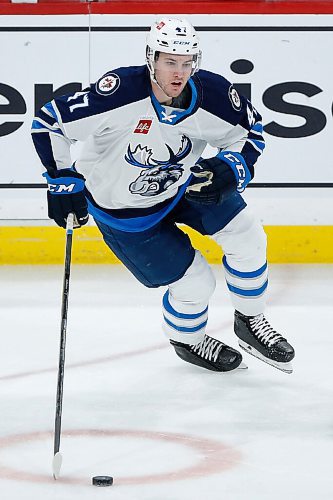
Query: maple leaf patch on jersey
x=143, y=126
x=108, y=84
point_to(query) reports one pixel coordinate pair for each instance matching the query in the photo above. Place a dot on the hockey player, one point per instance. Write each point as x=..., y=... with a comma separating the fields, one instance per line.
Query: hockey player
x=140, y=172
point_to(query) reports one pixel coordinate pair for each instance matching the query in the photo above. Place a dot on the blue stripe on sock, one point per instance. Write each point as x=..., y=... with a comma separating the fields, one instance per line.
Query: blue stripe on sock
x=240, y=274
x=248, y=293
x=185, y=329
x=168, y=307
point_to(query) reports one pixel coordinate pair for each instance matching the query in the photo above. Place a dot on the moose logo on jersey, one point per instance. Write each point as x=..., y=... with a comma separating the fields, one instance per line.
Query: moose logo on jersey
x=157, y=175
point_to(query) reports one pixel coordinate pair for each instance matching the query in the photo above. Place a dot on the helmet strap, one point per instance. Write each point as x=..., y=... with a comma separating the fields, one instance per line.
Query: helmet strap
x=150, y=56
x=153, y=78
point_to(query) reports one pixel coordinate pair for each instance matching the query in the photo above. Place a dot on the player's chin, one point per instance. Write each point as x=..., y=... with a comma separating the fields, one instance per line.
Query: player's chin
x=177, y=89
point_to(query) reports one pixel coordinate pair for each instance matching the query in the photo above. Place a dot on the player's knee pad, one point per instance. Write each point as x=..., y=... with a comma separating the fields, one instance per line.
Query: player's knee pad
x=243, y=241
x=245, y=267
x=195, y=287
x=185, y=304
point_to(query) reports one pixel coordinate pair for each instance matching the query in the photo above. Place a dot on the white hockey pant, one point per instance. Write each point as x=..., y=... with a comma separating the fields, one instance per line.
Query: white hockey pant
x=185, y=304
x=243, y=242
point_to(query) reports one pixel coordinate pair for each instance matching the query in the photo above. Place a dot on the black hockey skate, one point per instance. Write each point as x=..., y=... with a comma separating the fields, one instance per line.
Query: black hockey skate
x=211, y=354
x=257, y=337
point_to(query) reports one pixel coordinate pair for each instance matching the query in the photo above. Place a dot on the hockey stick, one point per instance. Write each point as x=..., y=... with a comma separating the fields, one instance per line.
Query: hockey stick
x=57, y=458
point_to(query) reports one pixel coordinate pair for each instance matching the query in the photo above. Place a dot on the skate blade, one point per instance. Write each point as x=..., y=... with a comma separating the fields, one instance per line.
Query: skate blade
x=56, y=465
x=284, y=367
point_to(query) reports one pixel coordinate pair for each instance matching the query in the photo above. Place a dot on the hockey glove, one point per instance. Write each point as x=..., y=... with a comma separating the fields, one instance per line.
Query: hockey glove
x=215, y=179
x=65, y=195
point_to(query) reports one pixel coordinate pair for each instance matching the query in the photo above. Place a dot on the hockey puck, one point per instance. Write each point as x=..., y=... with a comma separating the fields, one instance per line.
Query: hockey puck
x=102, y=480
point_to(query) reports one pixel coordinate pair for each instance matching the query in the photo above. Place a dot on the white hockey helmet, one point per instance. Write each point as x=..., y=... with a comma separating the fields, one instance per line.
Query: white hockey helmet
x=172, y=36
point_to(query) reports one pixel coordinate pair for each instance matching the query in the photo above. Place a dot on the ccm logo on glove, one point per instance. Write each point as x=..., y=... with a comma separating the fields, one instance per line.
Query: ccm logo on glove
x=216, y=179
x=66, y=195
x=239, y=167
x=60, y=188
x=66, y=182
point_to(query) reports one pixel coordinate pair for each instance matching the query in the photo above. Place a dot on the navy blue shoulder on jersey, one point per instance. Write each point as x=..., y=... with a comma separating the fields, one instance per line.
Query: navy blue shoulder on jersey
x=217, y=98
x=115, y=89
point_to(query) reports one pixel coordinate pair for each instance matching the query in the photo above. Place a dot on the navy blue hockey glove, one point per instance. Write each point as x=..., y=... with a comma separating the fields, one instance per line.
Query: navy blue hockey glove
x=65, y=195
x=215, y=179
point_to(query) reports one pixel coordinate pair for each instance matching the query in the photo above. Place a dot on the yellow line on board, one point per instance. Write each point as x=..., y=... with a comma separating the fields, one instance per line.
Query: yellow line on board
x=45, y=245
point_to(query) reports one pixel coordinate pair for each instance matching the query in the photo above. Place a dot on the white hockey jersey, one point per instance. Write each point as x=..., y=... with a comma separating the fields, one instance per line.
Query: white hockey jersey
x=137, y=153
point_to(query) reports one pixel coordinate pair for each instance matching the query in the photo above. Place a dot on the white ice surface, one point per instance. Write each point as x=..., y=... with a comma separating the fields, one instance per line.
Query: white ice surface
x=164, y=429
